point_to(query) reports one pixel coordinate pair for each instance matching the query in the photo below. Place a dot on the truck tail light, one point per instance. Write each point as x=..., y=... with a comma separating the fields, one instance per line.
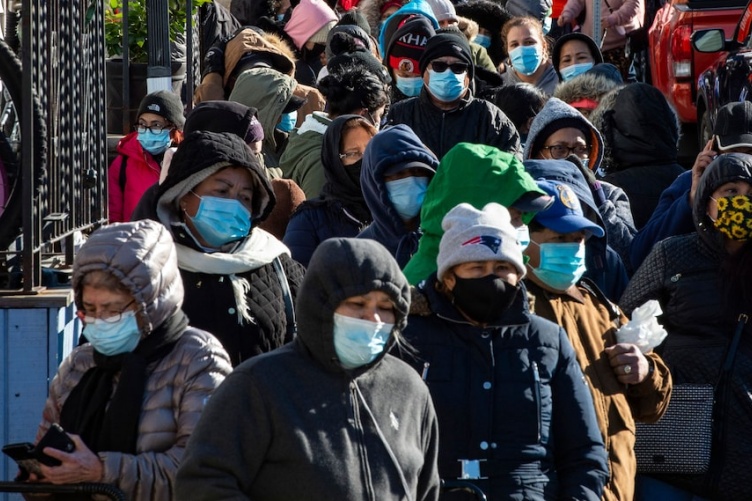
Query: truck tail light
x=681, y=52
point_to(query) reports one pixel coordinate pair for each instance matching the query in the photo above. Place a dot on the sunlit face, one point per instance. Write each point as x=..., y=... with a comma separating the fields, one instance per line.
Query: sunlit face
x=727, y=190
x=375, y=306
x=569, y=140
x=547, y=236
x=100, y=302
x=448, y=60
x=574, y=52
x=354, y=141
x=479, y=269
x=523, y=35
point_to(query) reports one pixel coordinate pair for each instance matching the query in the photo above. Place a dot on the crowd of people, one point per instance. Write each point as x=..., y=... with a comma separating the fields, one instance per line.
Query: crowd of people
x=391, y=252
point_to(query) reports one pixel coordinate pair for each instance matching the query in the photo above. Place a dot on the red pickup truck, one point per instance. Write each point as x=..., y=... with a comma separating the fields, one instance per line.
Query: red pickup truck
x=674, y=66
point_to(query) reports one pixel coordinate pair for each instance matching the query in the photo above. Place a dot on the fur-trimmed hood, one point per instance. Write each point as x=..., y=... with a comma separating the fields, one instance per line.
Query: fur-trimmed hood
x=371, y=10
x=250, y=40
x=585, y=86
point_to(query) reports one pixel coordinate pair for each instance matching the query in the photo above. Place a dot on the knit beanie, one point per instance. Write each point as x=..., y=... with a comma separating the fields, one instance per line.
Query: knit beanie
x=443, y=10
x=307, y=19
x=321, y=35
x=225, y=116
x=478, y=235
x=449, y=43
x=408, y=44
x=166, y=104
x=359, y=58
x=354, y=17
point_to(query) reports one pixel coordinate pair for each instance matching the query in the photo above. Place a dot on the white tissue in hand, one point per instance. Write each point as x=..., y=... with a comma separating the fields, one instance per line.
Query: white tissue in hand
x=643, y=330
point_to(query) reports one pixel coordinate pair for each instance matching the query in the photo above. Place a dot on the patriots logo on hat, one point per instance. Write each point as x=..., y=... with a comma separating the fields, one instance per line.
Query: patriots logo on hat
x=489, y=241
x=153, y=107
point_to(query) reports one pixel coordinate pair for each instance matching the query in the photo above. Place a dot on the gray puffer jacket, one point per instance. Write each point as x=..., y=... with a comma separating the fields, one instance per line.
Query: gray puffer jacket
x=613, y=203
x=142, y=256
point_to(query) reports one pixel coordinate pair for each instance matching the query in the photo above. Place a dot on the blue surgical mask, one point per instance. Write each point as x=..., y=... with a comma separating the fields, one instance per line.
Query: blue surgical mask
x=114, y=338
x=561, y=264
x=547, y=24
x=483, y=40
x=155, y=142
x=526, y=58
x=407, y=195
x=409, y=86
x=523, y=236
x=446, y=86
x=221, y=220
x=287, y=121
x=358, y=342
x=570, y=72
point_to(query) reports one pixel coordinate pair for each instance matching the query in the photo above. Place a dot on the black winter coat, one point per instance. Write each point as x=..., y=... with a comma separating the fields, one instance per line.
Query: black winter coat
x=474, y=121
x=512, y=395
x=210, y=305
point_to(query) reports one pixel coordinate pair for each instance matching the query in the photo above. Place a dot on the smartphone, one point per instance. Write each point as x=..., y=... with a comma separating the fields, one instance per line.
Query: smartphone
x=23, y=454
x=57, y=439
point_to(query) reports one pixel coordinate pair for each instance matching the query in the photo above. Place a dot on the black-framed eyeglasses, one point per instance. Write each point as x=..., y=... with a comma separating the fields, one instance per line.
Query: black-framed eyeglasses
x=561, y=151
x=352, y=155
x=155, y=129
x=441, y=67
x=109, y=317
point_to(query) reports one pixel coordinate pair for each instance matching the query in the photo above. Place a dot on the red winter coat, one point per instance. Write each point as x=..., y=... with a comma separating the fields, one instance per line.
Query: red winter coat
x=142, y=171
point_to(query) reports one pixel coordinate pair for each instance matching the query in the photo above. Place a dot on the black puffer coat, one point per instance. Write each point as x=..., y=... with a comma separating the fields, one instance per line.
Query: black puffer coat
x=683, y=274
x=474, y=121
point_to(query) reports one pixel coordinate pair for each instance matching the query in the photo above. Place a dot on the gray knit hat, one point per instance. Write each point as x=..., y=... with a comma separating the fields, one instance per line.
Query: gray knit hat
x=473, y=235
x=166, y=104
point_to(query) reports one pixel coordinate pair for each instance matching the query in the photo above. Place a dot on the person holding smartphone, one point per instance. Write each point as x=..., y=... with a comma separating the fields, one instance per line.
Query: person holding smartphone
x=132, y=394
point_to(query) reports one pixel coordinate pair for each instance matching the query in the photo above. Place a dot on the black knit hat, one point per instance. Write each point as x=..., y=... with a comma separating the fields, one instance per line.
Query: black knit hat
x=449, y=43
x=225, y=116
x=356, y=18
x=201, y=154
x=408, y=44
x=359, y=58
x=592, y=47
x=166, y=104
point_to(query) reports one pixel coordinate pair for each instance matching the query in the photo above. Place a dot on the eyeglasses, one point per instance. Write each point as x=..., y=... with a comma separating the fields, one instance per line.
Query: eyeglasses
x=561, y=151
x=155, y=129
x=441, y=67
x=109, y=317
x=352, y=155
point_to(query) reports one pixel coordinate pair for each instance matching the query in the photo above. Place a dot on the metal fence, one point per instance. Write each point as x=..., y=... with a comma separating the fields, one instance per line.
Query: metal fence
x=56, y=131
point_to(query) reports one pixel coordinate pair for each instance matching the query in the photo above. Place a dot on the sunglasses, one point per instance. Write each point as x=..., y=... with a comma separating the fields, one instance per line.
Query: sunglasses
x=441, y=67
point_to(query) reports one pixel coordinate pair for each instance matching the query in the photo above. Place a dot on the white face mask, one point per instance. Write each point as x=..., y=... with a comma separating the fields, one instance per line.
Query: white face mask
x=358, y=342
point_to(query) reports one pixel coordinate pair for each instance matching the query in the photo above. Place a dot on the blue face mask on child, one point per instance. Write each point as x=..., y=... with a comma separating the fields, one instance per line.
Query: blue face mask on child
x=483, y=40
x=409, y=86
x=154, y=142
x=574, y=70
x=526, y=58
x=561, y=264
x=407, y=195
x=221, y=220
x=287, y=121
x=358, y=342
x=114, y=338
x=446, y=86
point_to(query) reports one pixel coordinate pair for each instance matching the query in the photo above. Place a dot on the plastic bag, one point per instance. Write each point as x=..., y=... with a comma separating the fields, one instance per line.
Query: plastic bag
x=643, y=329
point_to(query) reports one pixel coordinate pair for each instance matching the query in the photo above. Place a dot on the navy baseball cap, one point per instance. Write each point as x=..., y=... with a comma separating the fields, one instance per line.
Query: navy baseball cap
x=565, y=214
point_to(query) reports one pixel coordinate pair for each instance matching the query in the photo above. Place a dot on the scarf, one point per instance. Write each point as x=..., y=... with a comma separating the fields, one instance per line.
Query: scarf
x=108, y=421
x=259, y=249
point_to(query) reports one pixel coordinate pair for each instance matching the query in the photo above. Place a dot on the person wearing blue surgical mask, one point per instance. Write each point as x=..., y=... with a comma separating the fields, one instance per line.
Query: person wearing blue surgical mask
x=574, y=54
x=528, y=60
x=397, y=168
x=447, y=81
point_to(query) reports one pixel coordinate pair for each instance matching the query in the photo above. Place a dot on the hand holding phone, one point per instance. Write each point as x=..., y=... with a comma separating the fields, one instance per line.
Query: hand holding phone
x=28, y=457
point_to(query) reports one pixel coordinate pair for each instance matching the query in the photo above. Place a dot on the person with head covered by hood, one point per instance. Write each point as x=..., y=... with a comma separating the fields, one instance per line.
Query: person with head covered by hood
x=331, y=415
x=240, y=280
x=132, y=394
x=702, y=281
x=340, y=210
x=623, y=381
x=445, y=112
x=515, y=415
x=474, y=174
x=397, y=169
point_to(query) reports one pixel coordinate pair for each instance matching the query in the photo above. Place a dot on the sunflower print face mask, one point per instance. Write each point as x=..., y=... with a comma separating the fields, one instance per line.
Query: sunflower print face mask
x=735, y=217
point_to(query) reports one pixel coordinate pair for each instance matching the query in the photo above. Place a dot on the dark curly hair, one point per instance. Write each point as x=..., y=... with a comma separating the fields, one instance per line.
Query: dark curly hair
x=351, y=89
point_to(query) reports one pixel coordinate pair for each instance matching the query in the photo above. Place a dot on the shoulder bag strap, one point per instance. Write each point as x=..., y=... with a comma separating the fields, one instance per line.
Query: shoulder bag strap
x=287, y=295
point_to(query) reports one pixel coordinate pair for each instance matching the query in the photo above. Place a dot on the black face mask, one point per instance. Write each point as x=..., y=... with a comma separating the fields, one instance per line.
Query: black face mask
x=353, y=171
x=483, y=299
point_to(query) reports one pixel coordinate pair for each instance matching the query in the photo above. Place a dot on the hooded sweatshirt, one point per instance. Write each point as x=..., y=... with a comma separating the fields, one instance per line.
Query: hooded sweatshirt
x=340, y=211
x=641, y=134
x=470, y=173
x=297, y=425
x=269, y=91
x=235, y=291
x=390, y=152
x=612, y=202
x=301, y=160
x=142, y=256
x=604, y=266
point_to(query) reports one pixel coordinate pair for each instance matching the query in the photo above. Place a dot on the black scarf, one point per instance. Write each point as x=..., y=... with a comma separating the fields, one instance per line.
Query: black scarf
x=115, y=427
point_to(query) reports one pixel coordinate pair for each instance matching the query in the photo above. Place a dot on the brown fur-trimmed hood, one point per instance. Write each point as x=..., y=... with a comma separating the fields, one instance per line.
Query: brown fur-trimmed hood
x=585, y=86
x=250, y=40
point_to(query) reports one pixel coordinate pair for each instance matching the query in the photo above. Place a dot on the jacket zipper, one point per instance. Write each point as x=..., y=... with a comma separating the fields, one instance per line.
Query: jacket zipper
x=537, y=390
x=361, y=435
